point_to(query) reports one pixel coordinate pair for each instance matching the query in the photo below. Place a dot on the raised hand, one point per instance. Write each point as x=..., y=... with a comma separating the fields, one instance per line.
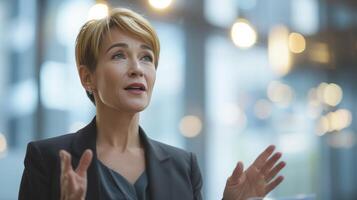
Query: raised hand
x=74, y=182
x=258, y=180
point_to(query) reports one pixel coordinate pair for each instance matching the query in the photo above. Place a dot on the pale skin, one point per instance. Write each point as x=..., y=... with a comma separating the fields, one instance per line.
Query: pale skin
x=124, y=60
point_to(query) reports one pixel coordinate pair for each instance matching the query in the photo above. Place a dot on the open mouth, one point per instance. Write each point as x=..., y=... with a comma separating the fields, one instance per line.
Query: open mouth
x=136, y=87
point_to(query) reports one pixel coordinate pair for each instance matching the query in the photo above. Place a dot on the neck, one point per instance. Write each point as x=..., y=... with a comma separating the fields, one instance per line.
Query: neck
x=116, y=129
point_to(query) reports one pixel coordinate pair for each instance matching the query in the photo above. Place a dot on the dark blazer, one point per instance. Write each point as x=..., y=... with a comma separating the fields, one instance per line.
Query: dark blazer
x=173, y=173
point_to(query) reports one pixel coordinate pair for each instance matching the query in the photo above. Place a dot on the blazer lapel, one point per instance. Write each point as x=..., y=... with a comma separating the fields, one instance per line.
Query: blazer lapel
x=86, y=139
x=158, y=165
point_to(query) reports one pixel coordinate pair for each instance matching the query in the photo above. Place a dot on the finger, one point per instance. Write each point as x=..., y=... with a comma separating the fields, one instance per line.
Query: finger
x=66, y=165
x=237, y=172
x=273, y=184
x=270, y=163
x=259, y=162
x=64, y=186
x=84, y=163
x=72, y=186
x=275, y=171
x=75, y=189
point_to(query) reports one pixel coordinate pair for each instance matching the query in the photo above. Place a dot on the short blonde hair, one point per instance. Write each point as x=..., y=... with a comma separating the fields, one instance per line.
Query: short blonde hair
x=90, y=36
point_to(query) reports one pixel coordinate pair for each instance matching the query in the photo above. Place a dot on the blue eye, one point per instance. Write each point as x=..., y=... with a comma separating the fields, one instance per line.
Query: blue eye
x=118, y=56
x=147, y=58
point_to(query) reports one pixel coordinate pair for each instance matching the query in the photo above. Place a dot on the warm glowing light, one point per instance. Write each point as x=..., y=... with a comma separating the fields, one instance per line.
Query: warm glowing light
x=345, y=118
x=3, y=143
x=322, y=126
x=98, y=11
x=320, y=91
x=340, y=119
x=263, y=109
x=297, y=43
x=243, y=34
x=278, y=50
x=332, y=94
x=280, y=93
x=190, y=126
x=333, y=121
x=160, y=4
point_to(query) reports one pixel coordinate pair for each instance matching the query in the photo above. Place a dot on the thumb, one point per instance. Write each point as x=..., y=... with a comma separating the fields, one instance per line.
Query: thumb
x=237, y=172
x=84, y=163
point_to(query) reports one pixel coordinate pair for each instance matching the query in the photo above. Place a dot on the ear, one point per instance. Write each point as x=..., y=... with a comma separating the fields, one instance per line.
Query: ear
x=87, y=78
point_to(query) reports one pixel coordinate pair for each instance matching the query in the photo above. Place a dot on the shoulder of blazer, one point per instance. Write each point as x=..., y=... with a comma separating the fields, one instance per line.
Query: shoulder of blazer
x=49, y=148
x=71, y=142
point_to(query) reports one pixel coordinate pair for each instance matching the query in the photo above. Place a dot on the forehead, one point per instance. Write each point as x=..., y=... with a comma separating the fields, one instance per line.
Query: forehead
x=118, y=36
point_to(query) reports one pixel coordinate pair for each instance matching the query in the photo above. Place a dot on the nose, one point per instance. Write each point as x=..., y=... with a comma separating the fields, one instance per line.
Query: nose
x=135, y=68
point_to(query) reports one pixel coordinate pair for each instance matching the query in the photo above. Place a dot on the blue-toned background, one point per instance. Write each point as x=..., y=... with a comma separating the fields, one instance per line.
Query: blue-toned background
x=234, y=76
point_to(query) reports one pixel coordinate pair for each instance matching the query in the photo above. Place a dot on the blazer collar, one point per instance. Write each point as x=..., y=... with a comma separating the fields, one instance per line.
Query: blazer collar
x=158, y=163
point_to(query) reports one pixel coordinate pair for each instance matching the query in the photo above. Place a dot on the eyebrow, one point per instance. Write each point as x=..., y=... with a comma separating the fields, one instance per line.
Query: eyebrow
x=124, y=45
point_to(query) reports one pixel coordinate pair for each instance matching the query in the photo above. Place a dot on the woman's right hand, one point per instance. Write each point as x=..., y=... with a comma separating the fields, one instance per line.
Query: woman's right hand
x=74, y=182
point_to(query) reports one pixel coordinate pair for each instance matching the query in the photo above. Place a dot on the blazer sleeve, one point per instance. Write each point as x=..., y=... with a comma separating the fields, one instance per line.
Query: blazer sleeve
x=196, y=178
x=35, y=182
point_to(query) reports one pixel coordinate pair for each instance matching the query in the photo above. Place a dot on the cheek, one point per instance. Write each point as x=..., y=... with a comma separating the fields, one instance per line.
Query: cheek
x=109, y=78
x=152, y=78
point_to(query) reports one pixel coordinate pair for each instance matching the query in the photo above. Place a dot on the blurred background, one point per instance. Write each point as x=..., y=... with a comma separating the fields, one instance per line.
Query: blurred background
x=234, y=76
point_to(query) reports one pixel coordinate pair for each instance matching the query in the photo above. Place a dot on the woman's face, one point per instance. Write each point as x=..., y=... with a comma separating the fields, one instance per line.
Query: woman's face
x=125, y=74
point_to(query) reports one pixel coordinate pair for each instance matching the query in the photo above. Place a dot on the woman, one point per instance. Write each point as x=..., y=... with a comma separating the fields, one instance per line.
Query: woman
x=112, y=158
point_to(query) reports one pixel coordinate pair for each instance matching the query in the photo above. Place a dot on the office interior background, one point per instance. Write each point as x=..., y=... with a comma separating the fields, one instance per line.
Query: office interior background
x=234, y=76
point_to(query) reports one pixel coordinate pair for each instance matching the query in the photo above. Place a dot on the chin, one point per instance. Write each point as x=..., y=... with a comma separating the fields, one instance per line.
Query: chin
x=136, y=107
x=130, y=106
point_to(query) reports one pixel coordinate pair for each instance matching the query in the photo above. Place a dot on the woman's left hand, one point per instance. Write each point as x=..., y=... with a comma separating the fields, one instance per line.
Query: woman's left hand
x=258, y=180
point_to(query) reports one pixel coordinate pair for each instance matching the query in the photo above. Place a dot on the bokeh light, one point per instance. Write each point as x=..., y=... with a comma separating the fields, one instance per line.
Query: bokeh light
x=190, y=126
x=233, y=115
x=243, y=34
x=280, y=93
x=320, y=91
x=339, y=119
x=278, y=50
x=333, y=122
x=160, y=4
x=322, y=126
x=297, y=43
x=332, y=94
x=98, y=11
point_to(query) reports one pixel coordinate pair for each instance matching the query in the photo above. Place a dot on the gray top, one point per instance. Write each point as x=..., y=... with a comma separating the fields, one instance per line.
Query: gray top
x=115, y=187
